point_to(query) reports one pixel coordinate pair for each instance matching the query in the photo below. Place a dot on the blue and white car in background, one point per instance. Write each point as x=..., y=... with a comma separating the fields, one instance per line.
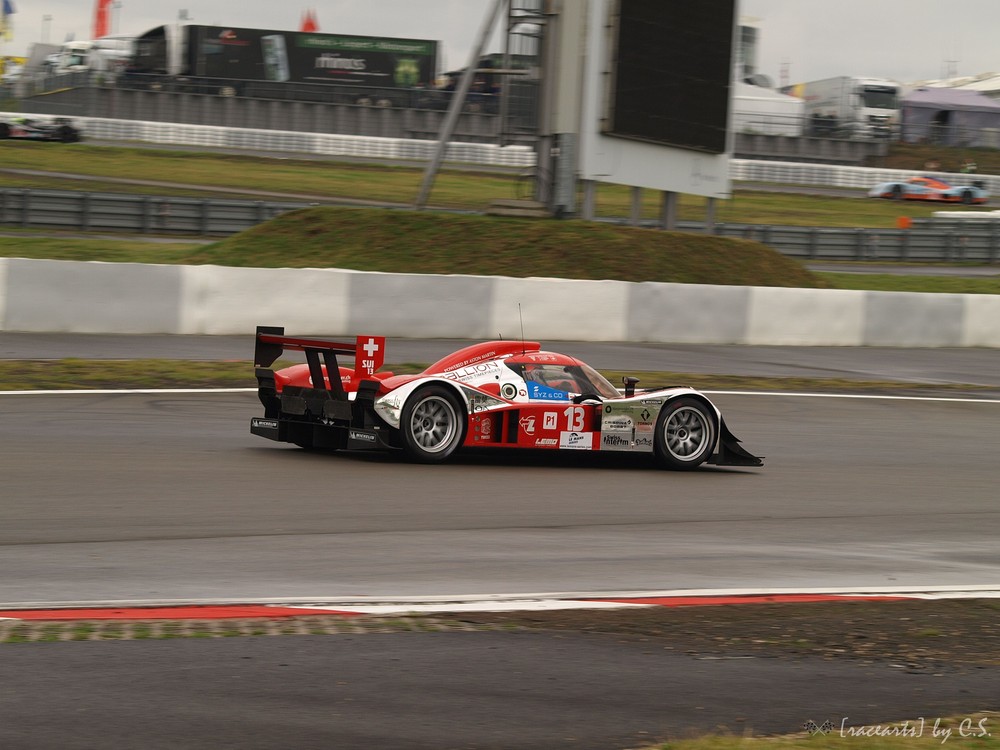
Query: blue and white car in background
x=927, y=188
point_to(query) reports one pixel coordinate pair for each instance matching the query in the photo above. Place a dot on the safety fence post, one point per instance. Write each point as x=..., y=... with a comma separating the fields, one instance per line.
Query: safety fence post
x=85, y=212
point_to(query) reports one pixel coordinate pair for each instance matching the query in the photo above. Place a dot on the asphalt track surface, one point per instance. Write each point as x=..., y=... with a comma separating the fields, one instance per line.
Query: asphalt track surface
x=438, y=691
x=150, y=497
x=167, y=497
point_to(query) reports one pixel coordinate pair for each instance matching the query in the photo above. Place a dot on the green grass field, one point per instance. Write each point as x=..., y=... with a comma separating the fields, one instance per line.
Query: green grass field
x=218, y=175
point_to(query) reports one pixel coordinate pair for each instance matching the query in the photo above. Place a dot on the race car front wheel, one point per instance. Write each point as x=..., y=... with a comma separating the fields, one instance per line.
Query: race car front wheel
x=4, y=130
x=685, y=434
x=432, y=425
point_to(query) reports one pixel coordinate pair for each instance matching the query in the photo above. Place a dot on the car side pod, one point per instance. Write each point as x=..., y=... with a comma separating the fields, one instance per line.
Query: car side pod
x=731, y=453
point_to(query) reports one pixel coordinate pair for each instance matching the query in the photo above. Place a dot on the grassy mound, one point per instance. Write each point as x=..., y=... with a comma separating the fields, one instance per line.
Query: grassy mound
x=425, y=242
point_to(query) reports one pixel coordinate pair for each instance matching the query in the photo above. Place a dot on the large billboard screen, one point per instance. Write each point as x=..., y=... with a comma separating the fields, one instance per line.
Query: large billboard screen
x=671, y=67
x=262, y=54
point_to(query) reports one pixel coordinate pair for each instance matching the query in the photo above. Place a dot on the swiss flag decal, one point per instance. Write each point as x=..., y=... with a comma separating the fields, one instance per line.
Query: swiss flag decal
x=369, y=355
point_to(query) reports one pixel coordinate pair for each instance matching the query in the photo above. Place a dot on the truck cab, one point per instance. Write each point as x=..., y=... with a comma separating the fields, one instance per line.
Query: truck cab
x=101, y=55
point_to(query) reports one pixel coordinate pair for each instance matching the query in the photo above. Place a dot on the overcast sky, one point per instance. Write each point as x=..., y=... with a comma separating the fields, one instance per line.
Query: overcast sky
x=906, y=40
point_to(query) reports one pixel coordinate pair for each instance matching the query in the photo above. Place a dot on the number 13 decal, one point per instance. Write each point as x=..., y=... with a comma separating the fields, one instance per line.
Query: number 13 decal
x=574, y=418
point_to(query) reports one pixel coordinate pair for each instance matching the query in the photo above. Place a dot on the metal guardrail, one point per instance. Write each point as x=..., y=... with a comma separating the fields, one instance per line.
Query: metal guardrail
x=778, y=147
x=931, y=241
x=949, y=242
x=133, y=214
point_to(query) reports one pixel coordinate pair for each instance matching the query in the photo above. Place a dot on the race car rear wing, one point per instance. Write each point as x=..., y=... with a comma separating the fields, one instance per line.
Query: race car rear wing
x=368, y=351
x=320, y=413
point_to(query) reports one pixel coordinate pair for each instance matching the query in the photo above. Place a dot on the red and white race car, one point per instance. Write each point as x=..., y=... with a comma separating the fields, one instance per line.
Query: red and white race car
x=498, y=394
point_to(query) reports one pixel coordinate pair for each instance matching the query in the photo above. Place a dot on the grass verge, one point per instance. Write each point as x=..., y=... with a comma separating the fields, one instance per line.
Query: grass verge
x=370, y=239
x=406, y=241
x=975, y=730
x=283, y=251
x=900, y=283
x=80, y=374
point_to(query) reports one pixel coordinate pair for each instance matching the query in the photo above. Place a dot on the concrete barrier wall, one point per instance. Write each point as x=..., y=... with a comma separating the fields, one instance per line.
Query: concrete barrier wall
x=981, y=326
x=293, y=141
x=52, y=295
x=805, y=317
x=71, y=297
x=4, y=262
x=219, y=300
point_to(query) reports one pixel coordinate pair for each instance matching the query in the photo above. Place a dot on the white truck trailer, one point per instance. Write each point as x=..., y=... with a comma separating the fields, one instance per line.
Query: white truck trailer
x=106, y=55
x=849, y=107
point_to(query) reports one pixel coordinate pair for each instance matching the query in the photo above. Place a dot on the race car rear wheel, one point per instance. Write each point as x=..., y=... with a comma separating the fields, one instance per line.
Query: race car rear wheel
x=4, y=130
x=897, y=192
x=967, y=197
x=432, y=425
x=685, y=434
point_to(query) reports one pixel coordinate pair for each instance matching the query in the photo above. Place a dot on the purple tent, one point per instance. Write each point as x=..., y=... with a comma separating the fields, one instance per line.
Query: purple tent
x=950, y=117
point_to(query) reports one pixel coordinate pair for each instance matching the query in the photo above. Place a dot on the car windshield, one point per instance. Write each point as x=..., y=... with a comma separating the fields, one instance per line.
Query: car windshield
x=601, y=385
x=577, y=379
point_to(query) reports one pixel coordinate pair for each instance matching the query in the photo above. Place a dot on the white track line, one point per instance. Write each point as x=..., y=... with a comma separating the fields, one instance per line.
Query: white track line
x=515, y=605
x=864, y=396
x=489, y=601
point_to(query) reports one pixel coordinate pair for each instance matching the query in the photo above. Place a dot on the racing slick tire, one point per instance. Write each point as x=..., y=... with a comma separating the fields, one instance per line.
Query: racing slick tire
x=686, y=433
x=4, y=130
x=897, y=193
x=66, y=134
x=432, y=425
x=967, y=197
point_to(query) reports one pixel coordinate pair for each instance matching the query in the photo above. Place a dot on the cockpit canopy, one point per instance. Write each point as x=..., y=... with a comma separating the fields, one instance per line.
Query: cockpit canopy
x=548, y=379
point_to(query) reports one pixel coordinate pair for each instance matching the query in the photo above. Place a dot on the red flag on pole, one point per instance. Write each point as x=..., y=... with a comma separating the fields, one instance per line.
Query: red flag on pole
x=309, y=22
x=102, y=19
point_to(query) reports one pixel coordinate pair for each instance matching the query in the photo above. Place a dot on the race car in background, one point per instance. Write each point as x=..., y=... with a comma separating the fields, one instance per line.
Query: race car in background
x=497, y=394
x=928, y=188
x=58, y=129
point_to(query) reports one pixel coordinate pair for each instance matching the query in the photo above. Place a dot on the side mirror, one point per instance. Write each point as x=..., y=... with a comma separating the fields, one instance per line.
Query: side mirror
x=629, y=382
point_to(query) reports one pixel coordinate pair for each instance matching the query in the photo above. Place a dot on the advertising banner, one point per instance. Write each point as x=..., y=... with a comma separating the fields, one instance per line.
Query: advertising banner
x=306, y=57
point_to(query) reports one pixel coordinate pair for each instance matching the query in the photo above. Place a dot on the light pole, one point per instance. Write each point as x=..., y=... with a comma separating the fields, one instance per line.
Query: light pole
x=46, y=24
